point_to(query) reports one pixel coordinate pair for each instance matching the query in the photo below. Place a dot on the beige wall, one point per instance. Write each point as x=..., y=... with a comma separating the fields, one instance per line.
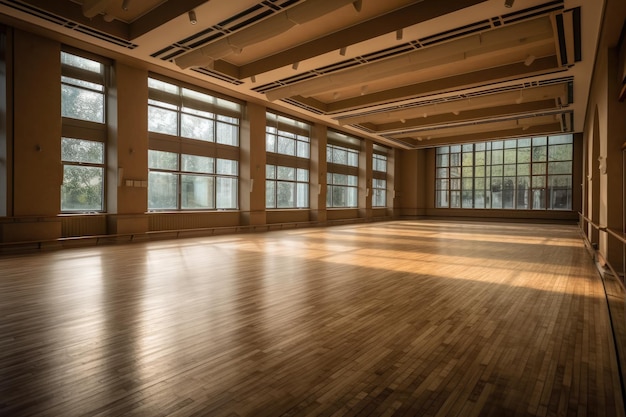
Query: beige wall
x=603, y=137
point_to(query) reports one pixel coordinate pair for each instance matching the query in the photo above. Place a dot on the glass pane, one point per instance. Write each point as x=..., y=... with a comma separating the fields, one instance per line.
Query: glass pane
x=510, y=156
x=455, y=148
x=455, y=159
x=227, y=134
x=285, y=173
x=443, y=160
x=302, y=175
x=162, y=160
x=162, y=86
x=270, y=142
x=304, y=149
x=479, y=171
x=539, y=182
x=78, y=103
x=78, y=150
x=523, y=155
x=353, y=197
x=82, y=188
x=197, y=192
x=479, y=199
x=560, y=152
x=82, y=63
x=510, y=170
x=497, y=157
x=455, y=172
x=226, y=193
x=523, y=143
x=560, y=168
x=227, y=167
x=340, y=156
x=467, y=184
x=353, y=159
x=442, y=199
x=303, y=195
x=468, y=159
x=442, y=172
x=455, y=199
x=467, y=199
x=539, y=199
x=497, y=170
x=286, y=146
x=270, y=194
x=479, y=158
x=196, y=95
x=540, y=141
x=194, y=163
x=468, y=172
x=441, y=184
x=523, y=169
x=270, y=172
x=560, y=199
x=479, y=184
x=539, y=169
x=455, y=184
x=508, y=192
x=496, y=193
x=162, y=191
x=523, y=187
x=162, y=120
x=285, y=194
x=196, y=127
x=353, y=180
x=540, y=153
x=560, y=139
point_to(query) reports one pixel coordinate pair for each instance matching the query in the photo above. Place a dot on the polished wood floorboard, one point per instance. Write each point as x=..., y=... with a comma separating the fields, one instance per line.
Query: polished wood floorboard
x=407, y=318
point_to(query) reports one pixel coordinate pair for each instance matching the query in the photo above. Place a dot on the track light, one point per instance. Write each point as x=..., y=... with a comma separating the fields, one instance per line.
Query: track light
x=509, y=3
x=529, y=60
x=399, y=34
x=295, y=65
x=125, y=5
x=342, y=51
x=192, y=17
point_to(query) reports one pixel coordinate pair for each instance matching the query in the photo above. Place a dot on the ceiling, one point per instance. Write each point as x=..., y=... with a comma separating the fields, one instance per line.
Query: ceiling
x=408, y=74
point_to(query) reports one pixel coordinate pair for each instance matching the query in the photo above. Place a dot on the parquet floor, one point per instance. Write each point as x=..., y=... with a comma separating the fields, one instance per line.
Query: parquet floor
x=407, y=318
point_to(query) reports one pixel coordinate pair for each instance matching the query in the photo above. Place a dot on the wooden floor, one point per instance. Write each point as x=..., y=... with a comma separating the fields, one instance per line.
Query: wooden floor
x=412, y=318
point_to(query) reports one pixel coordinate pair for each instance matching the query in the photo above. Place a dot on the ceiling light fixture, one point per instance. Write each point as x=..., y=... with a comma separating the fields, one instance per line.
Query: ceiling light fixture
x=125, y=5
x=509, y=3
x=342, y=51
x=358, y=4
x=108, y=18
x=192, y=17
x=363, y=90
x=399, y=34
x=295, y=65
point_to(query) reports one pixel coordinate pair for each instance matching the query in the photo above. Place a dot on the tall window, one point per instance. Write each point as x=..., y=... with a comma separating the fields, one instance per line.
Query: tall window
x=193, y=159
x=379, y=180
x=342, y=177
x=83, y=109
x=524, y=174
x=288, y=146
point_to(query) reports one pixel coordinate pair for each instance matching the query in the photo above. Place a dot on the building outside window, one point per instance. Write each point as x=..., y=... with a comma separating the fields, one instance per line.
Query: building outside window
x=288, y=146
x=343, y=171
x=523, y=174
x=379, y=180
x=83, y=145
x=193, y=158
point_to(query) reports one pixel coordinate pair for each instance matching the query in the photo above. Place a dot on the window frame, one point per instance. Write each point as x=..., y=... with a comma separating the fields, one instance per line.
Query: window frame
x=84, y=129
x=336, y=167
x=280, y=126
x=224, y=110
x=482, y=171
